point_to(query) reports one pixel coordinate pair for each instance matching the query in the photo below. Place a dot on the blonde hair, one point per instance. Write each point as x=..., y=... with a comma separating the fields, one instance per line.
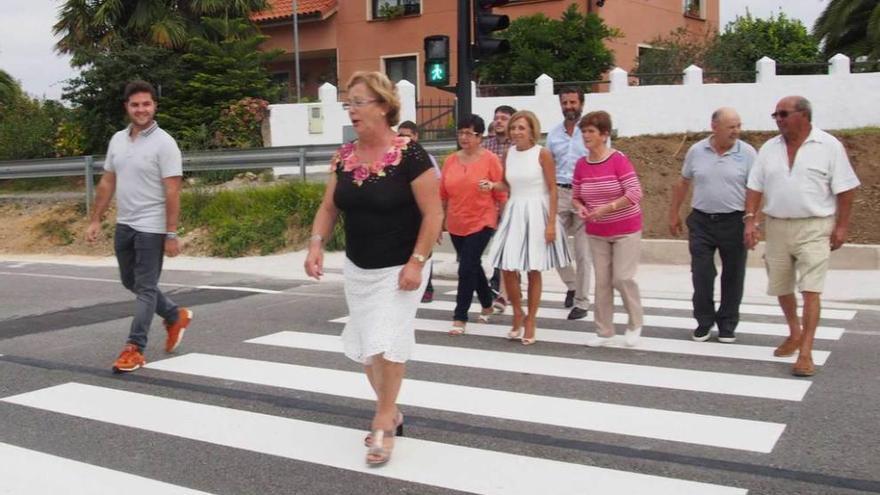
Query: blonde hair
x=531, y=121
x=385, y=91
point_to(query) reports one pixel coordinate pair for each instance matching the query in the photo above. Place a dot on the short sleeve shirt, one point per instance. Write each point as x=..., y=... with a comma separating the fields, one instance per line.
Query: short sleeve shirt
x=381, y=216
x=140, y=165
x=719, y=180
x=809, y=188
x=567, y=150
x=470, y=209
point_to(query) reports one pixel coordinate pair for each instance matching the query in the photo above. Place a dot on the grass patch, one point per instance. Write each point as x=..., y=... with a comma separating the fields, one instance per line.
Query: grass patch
x=256, y=220
x=58, y=231
x=858, y=131
x=43, y=184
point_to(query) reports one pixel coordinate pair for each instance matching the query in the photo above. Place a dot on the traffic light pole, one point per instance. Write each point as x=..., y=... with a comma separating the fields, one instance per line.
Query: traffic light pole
x=463, y=81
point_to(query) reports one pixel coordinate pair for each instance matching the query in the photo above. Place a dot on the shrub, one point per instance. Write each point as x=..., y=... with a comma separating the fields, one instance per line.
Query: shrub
x=261, y=220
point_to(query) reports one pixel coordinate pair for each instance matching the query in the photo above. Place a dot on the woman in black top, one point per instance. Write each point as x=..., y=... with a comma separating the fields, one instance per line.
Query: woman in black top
x=386, y=190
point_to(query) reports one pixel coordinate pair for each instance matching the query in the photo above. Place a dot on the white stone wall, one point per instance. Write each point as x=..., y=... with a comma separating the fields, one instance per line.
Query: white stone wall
x=289, y=123
x=840, y=100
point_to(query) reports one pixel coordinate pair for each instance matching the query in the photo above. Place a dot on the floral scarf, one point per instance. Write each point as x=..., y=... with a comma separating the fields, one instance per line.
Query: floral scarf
x=362, y=171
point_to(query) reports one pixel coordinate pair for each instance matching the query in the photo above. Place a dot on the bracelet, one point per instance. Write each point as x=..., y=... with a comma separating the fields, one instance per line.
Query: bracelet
x=316, y=237
x=747, y=216
x=171, y=235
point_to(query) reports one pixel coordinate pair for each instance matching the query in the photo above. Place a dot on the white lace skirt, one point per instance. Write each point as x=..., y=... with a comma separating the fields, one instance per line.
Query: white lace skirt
x=519, y=244
x=381, y=316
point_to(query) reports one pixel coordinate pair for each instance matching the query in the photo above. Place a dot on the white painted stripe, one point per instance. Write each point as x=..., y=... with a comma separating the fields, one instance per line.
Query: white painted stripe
x=26, y=472
x=715, y=431
x=756, y=309
x=677, y=322
x=165, y=284
x=419, y=461
x=688, y=347
x=240, y=289
x=579, y=369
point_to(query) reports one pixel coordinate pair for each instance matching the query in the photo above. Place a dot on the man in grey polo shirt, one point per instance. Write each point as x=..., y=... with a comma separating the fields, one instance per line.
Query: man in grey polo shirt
x=808, y=186
x=144, y=168
x=718, y=167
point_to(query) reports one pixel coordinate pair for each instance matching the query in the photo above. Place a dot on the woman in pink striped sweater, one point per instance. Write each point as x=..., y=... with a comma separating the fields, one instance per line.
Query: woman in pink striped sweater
x=606, y=193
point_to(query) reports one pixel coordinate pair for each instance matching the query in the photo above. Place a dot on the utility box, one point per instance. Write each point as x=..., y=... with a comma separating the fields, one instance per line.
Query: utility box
x=316, y=119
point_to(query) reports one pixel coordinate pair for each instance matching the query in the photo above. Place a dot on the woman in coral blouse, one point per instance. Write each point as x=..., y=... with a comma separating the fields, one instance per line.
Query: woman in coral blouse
x=472, y=207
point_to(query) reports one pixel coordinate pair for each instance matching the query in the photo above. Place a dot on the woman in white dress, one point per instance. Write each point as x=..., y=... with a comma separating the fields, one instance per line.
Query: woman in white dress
x=527, y=238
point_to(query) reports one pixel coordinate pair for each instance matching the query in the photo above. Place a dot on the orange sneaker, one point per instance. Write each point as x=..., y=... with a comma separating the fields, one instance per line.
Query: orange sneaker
x=130, y=359
x=176, y=329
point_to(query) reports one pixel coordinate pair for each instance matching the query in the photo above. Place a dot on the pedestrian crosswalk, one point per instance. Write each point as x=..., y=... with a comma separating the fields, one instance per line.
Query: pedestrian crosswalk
x=630, y=418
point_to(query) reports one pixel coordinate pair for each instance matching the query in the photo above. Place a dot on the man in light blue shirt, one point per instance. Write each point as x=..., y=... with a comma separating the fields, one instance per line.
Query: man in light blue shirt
x=567, y=145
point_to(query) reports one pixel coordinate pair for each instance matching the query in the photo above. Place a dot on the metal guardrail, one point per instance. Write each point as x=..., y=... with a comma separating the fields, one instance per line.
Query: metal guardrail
x=302, y=157
x=200, y=161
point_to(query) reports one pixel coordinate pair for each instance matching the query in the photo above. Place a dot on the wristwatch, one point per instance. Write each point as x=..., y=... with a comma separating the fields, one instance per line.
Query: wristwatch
x=171, y=235
x=420, y=258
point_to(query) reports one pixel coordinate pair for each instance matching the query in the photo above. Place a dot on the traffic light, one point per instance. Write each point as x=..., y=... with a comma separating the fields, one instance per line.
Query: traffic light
x=437, y=60
x=486, y=23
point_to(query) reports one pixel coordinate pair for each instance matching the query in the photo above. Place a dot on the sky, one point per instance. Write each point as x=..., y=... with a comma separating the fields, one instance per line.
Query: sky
x=27, y=44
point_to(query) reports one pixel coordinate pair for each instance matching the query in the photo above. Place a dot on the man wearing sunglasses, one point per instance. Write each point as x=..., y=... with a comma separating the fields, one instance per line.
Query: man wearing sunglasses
x=807, y=184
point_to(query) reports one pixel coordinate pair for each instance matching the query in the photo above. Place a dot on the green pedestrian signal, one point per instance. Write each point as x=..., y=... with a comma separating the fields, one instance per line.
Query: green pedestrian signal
x=437, y=60
x=438, y=73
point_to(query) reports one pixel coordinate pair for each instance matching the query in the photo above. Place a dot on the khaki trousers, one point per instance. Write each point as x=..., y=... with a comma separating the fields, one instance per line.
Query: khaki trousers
x=615, y=260
x=575, y=276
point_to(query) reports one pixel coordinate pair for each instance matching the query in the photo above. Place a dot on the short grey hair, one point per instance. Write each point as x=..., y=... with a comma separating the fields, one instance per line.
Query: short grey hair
x=802, y=104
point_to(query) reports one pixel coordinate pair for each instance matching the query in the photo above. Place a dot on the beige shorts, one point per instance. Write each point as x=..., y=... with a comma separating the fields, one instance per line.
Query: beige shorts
x=797, y=250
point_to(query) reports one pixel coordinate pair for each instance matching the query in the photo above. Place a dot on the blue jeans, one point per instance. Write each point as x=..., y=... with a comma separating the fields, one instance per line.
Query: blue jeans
x=471, y=276
x=140, y=257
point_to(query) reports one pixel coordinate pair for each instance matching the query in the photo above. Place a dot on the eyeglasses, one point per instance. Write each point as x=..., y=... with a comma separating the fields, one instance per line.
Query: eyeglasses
x=356, y=104
x=467, y=133
x=783, y=114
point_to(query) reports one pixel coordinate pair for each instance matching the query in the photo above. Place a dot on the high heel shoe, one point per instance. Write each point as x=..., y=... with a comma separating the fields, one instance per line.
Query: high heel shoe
x=515, y=333
x=485, y=315
x=533, y=339
x=398, y=430
x=378, y=454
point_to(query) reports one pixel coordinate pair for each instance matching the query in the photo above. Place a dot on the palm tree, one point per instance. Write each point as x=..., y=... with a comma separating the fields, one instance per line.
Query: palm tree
x=87, y=26
x=851, y=27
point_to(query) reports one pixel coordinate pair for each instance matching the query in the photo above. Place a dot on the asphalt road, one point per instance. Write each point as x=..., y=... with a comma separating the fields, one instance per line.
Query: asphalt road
x=286, y=414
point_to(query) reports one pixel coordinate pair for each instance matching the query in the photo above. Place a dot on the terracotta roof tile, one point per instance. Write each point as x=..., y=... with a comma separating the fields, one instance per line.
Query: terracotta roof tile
x=281, y=9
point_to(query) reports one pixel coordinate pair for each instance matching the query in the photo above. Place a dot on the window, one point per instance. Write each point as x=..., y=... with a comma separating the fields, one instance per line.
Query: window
x=399, y=68
x=389, y=9
x=694, y=8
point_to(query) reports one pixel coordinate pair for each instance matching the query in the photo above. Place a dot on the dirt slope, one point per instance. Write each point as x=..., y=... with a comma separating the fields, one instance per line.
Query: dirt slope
x=56, y=227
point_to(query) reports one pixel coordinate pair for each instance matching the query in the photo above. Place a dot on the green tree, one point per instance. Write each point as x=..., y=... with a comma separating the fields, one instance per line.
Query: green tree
x=221, y=68
x=748, y=39
x=9, y=89
x=569, y=49
x=668, y=56
x=27, y=127
x=851, y=27
x=88, y=28
x=96, y=93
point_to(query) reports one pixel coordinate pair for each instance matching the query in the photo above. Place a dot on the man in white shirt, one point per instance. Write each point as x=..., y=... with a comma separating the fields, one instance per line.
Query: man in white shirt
x=144, y=168
x=567, y=145
x=808, y=186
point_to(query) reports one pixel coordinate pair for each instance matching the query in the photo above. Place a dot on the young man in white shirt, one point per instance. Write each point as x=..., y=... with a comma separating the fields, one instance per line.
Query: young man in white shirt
x=144, y=167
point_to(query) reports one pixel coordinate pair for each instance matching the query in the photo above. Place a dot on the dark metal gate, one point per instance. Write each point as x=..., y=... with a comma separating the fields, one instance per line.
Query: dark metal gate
x=436, y=119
